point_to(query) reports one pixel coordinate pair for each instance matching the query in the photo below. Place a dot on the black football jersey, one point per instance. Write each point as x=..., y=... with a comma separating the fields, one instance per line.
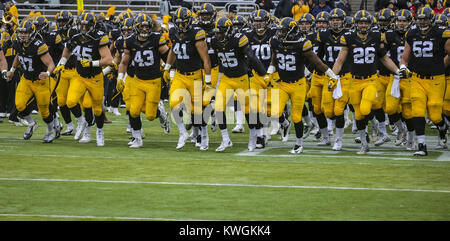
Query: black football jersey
x=260, y=45
x=212, y=56
x=328, y=47
x=120, y=46
x=145, y=55
x=87, y=48
x=395, y=44
x=54, y=43
x=315, y=48
x=363, y=54
x=72, y=61
x=30, y=58
x=183, y=46
x=427, y=51
x=232, y=60
x=290, y=62
x=115, y=34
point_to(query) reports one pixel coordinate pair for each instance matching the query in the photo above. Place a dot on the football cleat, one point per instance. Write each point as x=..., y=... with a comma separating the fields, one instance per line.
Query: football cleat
x=422, y=150
x=100, y=137
x=198, y=141
x=410, y=146
x=337, y=145
x=224, y=145
x=58, y=129
x=400, y=138
x=128, y=128
x=296, y=150
x=49, y=136
x=182, y=140
x=275, y=128
x=136, y=143
x=205, y=143
x=382, y=139
x=285, y=132
x=441, y=144
x=86, y=135
x=324, y=142
x=68, y=131
x=307, y=130
x=80, y=129
x=29, y=133
x=238, y=129
x=213, y=122
x=163, y=118
x=116, y=112
x=260, y=142
x=363, y=150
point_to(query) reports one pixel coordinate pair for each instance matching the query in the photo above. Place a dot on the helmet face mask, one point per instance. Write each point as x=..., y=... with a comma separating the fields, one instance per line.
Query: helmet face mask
x=425, y=17
x=260, y=26
x=336, y=24
x=288, y=31
x=363, y=22
x=86, y=24
x=363, y=27
x=207, y=15
x=182, y=20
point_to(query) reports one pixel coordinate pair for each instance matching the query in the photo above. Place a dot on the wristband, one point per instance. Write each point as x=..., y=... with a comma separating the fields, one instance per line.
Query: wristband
x=208, y=78
x=271, y=69
x=120, y=76
x=402, y=66
x=12, y=69
x=62, y=61
x=330, y=73
x=167, y=67
x=106, y=70
x=96, y=63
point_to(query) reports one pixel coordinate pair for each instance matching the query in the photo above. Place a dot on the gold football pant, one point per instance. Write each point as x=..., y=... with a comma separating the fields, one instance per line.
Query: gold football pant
x=145, y=95
x=446, y=107
x=187, y=89
x=428, y=95
x=126, y=91
x=40, y=89
x=209, y=93
x=226, y=90
x=362, y=95
x=332, y=107
x=258, y=93
x=94, y=86
x=296, y=92
x=63, y=86
x=318, y=85
x=402, y=104
x=382, y=83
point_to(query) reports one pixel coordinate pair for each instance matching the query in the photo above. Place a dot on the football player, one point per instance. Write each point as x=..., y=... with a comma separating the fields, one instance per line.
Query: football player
x=55, y=46
x=289, y=53
x=319, y=82
x=206, y=19
x=259, y=38
x=423, y=56
x=399, y=107
x=90, y=46
x=64, y=22
x=232, y=50
x=37, y=64
x=364, y=47
x=146, y=49
x=329, y=47
x=190, y=51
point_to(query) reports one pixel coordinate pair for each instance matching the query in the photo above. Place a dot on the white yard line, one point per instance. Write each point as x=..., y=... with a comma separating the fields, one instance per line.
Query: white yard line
x=93, y=217
x=224, y=185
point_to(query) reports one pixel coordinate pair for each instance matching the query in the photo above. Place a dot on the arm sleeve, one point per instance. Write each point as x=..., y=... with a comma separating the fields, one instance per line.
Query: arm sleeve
x=255, y=62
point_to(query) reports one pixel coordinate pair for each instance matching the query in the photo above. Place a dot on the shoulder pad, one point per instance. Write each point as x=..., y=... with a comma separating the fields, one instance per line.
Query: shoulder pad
x=238, y=35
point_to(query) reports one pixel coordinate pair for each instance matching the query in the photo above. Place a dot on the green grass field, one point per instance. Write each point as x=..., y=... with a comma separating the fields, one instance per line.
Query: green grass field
x=66, y=180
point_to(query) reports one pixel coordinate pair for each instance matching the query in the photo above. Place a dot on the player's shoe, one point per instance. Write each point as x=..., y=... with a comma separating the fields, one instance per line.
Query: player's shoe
x=382, y=139
x=80, y=129
x=86, y=138
x=224, y=145
x=422, y=150
x=238, y=129
x=297, y=149
x=182, y=140
x=100, y=137
x=363, y=150
x=337, y=145
x=285, y=132
x=29, y=132
x=49, y=136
